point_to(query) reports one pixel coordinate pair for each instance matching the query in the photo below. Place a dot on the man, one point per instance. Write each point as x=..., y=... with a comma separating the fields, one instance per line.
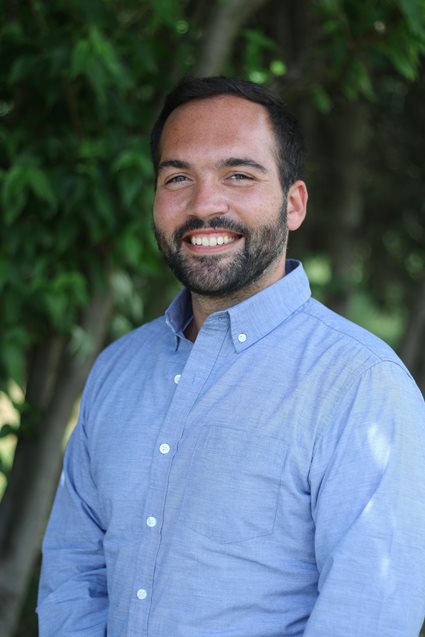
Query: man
x=251, y=464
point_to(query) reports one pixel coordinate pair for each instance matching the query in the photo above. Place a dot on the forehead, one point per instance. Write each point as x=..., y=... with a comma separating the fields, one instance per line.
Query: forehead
x=225, y=123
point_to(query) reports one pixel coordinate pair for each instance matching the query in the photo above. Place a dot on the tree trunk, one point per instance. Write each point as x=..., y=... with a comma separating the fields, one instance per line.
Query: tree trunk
x=224, y=26
x=412, y=349
x=343, y=197
x=56, y=378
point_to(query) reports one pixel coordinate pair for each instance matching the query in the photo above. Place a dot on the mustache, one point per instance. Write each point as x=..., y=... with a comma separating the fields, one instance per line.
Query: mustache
x=216, y=222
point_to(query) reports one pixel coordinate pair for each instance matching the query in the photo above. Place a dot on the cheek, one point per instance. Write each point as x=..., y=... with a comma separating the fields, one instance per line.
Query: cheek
x=259, y=207
x=167, y=208
x=272, y=203
x=163, y=213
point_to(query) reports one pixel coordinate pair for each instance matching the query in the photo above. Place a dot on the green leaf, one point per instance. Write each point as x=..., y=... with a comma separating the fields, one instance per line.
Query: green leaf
x=80, y=58
x=71, y=284
x=103, y=206
x=84, y=62
x=95, y=58
x=12, y=33
x=403, y=63
x=58, y=309
x=182, y=26
x=260, y=77
x=39, y=183
x=259, y=39
x=14, y=193
x=166, y=12
x=8, y=430
x=414, y=12
x=22, y=68
x=13, y=358
x=359, y=80
x=104, y=51
x=134, y=159
x=278, y=68
x=330, y=6
x=4, y=270
x=131, y=248
x=130, y=185
x=17, y=182
x=93, y=149
x=321, y=99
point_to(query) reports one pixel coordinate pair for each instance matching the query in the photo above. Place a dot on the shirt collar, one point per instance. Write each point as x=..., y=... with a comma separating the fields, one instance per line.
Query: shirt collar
x=179, y=314
x=255, y=317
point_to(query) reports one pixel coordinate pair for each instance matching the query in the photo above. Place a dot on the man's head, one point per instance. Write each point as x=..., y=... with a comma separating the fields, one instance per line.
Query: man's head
x=288, y=137
x=225, y=195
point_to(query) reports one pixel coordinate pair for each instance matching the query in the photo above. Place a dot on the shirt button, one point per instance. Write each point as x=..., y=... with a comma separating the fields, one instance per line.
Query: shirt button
x=164, y=448
x=151, y=521
x=242, y=338
x=177, y=378
x=141, y=593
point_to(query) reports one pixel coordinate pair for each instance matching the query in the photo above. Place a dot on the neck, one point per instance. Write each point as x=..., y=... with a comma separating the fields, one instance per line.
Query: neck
x=203, y=306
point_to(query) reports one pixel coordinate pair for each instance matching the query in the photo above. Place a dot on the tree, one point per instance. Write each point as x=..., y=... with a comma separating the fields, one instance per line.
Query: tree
x=80, y=85
x=75, y=176
x=78, y=98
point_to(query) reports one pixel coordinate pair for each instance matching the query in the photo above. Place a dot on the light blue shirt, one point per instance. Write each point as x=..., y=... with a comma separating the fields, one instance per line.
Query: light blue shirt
x=267, y=480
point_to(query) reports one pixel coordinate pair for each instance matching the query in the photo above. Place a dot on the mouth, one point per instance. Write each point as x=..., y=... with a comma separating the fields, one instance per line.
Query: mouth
x=210, y=240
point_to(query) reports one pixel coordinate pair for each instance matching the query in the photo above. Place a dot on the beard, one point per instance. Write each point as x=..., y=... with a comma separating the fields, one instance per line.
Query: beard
x=219, y=275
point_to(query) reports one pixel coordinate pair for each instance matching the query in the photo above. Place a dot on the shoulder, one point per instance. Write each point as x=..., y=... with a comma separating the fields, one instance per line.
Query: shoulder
x=364, y=380
x=126, y=356
x=365, y=394
x=347, y=369
x=354, y=345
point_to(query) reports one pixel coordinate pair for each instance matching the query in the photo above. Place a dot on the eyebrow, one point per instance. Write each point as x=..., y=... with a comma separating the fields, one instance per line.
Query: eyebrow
x=234, y=162
x=173, y=163
x=231, y=162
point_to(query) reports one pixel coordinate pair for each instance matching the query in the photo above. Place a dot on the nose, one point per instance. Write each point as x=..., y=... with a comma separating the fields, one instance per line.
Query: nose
x=208, y=200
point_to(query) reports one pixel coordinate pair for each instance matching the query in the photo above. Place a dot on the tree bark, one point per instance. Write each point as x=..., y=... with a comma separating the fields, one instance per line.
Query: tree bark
x=224, y=26
x=346, y=140
x=55, y=381
x=412, y=349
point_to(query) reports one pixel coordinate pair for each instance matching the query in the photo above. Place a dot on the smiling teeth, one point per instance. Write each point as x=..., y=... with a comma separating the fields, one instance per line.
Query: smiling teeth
x=211, y=241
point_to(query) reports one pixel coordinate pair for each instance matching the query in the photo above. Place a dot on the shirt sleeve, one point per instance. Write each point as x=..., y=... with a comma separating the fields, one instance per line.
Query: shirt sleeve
x=73, y=592
x=368, y=504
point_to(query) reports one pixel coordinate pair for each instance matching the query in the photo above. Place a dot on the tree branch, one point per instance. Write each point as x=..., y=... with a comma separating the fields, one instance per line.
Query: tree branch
x=37, y=462
x=226, y=22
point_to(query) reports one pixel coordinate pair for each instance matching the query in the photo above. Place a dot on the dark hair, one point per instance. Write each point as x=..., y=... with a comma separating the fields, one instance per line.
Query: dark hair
x=289, y=140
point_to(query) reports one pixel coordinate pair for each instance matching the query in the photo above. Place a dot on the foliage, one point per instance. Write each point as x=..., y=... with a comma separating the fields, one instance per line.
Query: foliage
x=358, y=40
x=79, y=84
x=372, y=52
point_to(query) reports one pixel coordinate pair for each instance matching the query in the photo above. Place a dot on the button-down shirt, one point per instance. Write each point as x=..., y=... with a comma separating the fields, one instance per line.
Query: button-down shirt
x=267, y=480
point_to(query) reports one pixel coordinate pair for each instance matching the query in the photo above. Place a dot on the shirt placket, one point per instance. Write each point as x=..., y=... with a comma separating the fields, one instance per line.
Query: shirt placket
x=189, y=383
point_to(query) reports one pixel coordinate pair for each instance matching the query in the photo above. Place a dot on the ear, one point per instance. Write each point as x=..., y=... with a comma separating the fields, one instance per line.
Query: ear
x=296, y=204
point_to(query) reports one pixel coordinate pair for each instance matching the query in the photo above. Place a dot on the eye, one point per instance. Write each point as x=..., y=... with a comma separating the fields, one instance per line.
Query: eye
x=240, y=177
x=176, y=179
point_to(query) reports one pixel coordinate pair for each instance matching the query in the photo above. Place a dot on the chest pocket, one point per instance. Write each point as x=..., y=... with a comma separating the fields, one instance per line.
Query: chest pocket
x=233, y=485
